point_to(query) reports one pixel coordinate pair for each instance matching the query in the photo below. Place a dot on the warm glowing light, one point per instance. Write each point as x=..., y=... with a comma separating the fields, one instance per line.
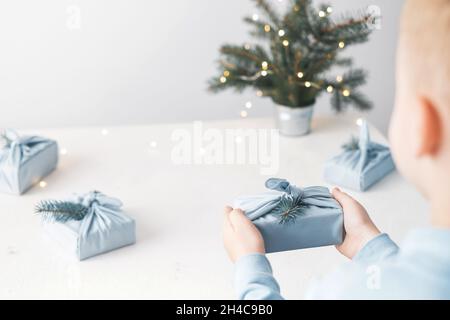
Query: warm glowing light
x=285, y=43
x=264, y=73
x=342, y=44
x=330, y=10
x=308, y=84
x=265, y=65
x=223, y=79
x=300, y=75
x=339, y=78
x=259, y=93
x=322, y=14
x=346, y=93
x=226, y=73
x=359, y=122
x=63, y=151
x=330, y=89
x=255, y=17
x=267, y=28
x=42, y=184
x=244, y=114
x=248, y=105
x=281, y=33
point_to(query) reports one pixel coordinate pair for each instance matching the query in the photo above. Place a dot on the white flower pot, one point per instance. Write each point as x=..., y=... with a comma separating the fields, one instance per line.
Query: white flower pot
x=294, y=121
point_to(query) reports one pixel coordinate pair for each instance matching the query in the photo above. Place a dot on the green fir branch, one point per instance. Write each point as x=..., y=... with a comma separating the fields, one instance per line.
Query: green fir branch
x=289, y=209
x=61, y=211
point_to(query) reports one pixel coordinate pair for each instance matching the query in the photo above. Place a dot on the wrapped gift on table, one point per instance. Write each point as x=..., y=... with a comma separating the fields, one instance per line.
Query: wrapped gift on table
x=24, y=161
x=87, y=225
x=362, y=163
x=291, y=218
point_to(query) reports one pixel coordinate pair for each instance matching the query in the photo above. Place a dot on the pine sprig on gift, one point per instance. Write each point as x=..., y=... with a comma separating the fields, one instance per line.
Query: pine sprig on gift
x=289, y=209
x=352, y=145
x=61, y=211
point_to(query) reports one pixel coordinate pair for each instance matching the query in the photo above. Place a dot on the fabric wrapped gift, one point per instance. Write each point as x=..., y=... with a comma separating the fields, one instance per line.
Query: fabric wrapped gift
x=291, y=218
x=88, y=225
x=362, y=163
x=24, y=161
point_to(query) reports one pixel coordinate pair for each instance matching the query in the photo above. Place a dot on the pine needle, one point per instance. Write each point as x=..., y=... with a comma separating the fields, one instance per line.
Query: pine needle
x=61, y=211
x=289, y=209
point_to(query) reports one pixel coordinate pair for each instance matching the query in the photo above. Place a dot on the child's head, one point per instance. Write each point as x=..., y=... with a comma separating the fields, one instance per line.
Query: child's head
x=420, y=128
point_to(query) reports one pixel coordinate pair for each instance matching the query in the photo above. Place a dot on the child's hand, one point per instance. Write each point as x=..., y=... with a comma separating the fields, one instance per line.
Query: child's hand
x=358, y=226
x=240, y=235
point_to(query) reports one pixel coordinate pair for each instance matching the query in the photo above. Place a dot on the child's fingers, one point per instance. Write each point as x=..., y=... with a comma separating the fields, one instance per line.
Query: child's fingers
x=343, y=198
x=226, y=220
x=237, y=217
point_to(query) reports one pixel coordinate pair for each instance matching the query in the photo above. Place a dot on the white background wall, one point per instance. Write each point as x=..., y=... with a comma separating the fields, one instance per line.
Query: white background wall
x=141, y=61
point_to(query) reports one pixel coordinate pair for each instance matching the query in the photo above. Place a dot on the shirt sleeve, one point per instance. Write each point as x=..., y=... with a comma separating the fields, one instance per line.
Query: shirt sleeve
x=254, y=279
x=376, y=250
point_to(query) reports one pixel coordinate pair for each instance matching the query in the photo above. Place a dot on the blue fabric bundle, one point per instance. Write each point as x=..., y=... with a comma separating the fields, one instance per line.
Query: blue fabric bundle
x=103, y=227
x=290, y=218
x=24, y=161
x=362, y=163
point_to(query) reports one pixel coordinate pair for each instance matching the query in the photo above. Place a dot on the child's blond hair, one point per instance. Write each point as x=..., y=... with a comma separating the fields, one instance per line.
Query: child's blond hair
x=425, y=33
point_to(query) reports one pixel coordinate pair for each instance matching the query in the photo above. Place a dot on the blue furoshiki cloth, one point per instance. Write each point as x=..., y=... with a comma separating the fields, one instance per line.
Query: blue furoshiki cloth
x=321, y=222
x=362, y=163
x=103, y=229
x=25, y=160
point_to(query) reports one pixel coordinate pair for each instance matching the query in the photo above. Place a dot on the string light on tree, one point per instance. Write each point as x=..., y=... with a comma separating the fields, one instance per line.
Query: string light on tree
x=244, y=114
x=346, y=93
x=226, y=73
x=248, y=105
x=296, y=59
x=42, y=184
x=63, y=151
x=359, y=122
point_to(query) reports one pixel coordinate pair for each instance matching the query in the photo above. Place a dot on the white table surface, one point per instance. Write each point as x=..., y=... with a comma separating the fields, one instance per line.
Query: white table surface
x=178, y=209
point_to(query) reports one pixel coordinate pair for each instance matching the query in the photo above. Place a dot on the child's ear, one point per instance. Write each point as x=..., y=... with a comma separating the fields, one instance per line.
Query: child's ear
x=429, y=129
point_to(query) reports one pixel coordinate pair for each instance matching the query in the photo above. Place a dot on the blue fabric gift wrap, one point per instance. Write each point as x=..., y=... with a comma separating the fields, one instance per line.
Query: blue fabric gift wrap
x=291, y=218
x=362, y=163
x=24, y=161
x=102, y=229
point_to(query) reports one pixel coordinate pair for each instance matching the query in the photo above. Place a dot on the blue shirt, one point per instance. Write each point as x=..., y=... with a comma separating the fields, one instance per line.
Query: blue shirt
x=420, y=270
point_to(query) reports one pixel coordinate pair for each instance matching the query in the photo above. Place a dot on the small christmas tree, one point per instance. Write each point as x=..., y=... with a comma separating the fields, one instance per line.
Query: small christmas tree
x=302, y=47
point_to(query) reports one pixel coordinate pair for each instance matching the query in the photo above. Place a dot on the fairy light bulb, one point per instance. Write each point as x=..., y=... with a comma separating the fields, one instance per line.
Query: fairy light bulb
x=244, y=114
x=342, y=45
x=247, y=46
x=281, y=33
x=322, y=14
x=308, y=84
x=359, y=122
x=267, y=28
x=300, y=75
x=248, y=105
x=63, y=151
x=259, y=93
x=346, y=93
x=265, y=65
x=339, y=78
x=226, y=73
x=330, y=89
x=255, y=17
x=223, y=79
x=264, y=73
x=285, y=43
x=42, y=184
x=330, y=10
